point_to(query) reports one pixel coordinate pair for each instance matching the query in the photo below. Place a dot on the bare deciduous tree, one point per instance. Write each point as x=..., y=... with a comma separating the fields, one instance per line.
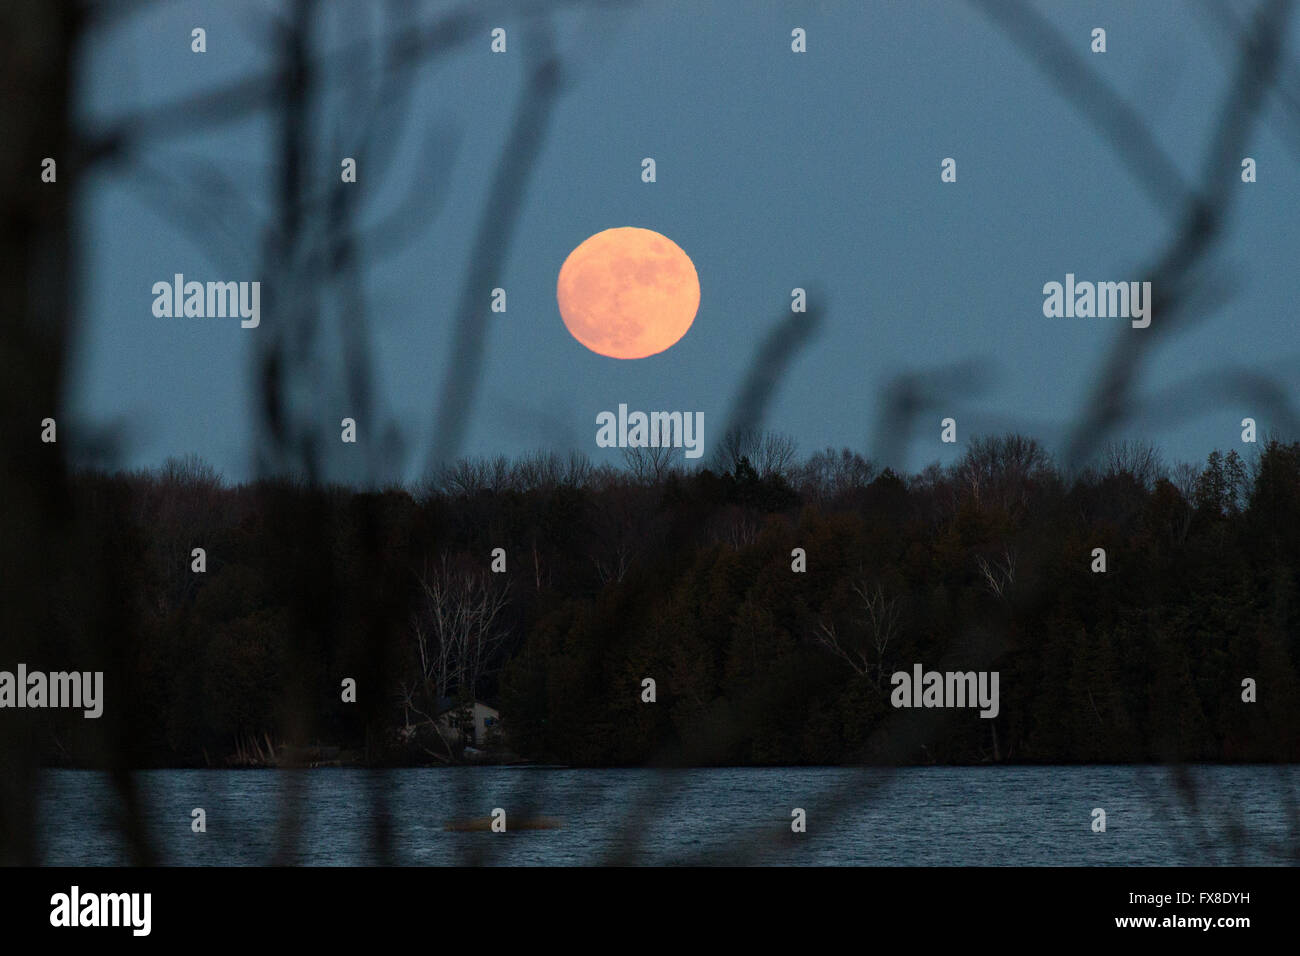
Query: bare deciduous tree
x=1000, y=471
x=999, y=573
x=768, y=453
x=1184, y=477
x=649, y=464
x=828, y=474
x=623, y=529
x=737, y=527
x=877, y=621
x=457, y=628
x=1141, y=459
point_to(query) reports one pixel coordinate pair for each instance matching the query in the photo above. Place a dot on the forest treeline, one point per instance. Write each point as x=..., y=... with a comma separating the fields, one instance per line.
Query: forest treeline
x=616, y=575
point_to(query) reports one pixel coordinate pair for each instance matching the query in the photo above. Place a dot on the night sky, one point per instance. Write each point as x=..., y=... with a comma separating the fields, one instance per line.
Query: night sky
x=774, y=170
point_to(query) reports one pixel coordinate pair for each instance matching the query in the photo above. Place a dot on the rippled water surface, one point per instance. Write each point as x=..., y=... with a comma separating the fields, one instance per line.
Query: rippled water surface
x=958, y=816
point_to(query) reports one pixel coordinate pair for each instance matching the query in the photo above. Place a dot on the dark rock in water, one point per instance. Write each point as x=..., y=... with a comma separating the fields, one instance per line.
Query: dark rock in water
x=485, y=824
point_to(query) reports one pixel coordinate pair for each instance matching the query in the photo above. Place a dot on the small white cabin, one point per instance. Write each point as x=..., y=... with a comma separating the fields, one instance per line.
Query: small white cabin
x=467, y=725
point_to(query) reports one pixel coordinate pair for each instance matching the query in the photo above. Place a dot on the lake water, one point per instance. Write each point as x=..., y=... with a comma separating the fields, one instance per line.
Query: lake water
x=914, y=816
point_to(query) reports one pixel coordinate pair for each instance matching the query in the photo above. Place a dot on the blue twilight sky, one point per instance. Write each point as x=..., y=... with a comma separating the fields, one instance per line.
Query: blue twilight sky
x=775, y=170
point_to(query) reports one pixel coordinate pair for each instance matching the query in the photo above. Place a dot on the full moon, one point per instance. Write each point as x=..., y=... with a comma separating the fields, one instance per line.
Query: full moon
x=628, y=293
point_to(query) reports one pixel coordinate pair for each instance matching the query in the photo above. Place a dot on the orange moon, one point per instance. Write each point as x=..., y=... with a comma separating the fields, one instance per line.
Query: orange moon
x=628, y=293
